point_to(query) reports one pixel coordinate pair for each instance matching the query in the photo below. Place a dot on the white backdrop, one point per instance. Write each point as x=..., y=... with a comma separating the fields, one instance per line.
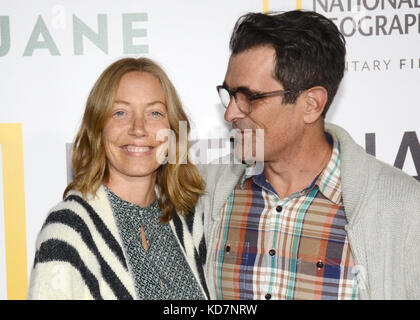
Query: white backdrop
x=51, y=52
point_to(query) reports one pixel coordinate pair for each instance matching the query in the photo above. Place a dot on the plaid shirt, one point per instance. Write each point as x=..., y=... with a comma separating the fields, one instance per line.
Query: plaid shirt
x=291, y=248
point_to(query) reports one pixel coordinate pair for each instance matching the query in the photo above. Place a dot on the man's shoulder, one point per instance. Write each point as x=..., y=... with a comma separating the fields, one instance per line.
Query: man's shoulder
x=396, y=179
x=227, y=167
x=360, y=168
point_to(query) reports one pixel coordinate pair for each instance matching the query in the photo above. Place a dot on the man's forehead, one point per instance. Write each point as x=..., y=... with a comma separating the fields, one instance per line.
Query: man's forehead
x=250, y=66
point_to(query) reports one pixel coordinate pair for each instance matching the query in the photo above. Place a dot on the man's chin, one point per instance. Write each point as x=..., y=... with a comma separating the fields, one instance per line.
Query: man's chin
x=247, y=156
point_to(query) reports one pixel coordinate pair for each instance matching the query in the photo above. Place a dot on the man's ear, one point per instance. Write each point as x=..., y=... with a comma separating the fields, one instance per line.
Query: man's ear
x=315, y=100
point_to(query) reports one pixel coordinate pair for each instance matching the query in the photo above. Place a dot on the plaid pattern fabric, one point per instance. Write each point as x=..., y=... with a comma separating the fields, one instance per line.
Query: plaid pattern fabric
x=291, y=248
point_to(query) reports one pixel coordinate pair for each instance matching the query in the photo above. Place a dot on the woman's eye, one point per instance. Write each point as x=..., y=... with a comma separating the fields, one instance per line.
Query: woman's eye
x=119, y=114
x=156, y=114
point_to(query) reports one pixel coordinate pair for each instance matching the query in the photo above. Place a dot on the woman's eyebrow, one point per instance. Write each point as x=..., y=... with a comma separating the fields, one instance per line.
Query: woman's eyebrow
x=147, y=104
x=122, y=102
x=156, y=102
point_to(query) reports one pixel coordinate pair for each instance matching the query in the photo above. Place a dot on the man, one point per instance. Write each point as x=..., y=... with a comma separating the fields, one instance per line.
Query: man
x=323, y=220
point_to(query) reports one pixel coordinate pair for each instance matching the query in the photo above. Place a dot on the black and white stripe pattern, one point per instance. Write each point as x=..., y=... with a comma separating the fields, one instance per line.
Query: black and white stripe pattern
x=79, y=253
x=189, y=232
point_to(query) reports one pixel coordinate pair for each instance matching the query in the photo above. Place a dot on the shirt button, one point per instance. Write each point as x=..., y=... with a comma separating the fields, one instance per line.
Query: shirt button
x=227, y=248
x=319, y=264
x=272, y=252
x=268, y=296
x=279, y=208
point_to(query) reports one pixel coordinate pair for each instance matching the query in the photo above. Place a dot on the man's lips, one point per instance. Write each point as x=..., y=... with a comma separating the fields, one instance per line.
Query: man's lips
x=245, y=130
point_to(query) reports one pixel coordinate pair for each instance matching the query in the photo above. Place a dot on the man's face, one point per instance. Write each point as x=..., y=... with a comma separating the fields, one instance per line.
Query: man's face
x=282, y=124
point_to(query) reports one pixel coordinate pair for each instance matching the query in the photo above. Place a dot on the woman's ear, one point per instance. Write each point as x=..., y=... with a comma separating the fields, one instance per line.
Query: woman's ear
x=315, y=100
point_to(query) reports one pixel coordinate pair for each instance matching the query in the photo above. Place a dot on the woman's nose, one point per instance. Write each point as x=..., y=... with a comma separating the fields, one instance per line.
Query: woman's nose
x=137, y=127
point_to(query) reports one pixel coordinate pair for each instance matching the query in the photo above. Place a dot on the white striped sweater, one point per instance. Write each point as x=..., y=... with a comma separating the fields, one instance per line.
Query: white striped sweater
x=79, y=252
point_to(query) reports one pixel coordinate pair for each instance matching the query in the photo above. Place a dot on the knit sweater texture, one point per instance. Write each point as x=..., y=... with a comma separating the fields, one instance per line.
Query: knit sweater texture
x=80, y=254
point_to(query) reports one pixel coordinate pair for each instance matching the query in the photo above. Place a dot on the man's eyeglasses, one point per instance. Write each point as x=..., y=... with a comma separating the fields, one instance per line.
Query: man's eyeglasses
x=244, y=97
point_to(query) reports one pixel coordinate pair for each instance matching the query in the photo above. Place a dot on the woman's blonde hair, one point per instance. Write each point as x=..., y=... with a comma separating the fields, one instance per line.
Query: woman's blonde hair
x=179, y=183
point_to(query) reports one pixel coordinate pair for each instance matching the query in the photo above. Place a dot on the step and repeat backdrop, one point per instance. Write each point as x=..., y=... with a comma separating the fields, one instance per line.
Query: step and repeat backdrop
x=51, y=52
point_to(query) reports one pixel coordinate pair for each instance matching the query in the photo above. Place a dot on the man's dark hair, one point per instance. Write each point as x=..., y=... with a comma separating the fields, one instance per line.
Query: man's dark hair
x=310, y=50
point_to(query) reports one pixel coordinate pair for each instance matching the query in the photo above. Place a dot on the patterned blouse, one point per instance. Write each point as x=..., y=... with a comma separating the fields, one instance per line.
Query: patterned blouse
x=161, y=272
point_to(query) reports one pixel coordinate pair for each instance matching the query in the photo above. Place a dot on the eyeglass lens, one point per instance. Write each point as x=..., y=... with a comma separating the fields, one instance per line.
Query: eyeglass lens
x=241, y=100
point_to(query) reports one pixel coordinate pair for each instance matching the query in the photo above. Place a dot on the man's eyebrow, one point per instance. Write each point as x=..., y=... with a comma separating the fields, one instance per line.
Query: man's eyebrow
x=240, y=89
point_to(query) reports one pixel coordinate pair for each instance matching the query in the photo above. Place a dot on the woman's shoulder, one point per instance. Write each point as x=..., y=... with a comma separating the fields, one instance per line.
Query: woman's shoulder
x=73, y=204
x=80, y=234
x=78, y=216
x=62, y=219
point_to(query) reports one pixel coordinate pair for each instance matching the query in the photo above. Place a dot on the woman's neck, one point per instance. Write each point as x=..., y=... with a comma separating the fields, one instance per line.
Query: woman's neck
x=137, y=190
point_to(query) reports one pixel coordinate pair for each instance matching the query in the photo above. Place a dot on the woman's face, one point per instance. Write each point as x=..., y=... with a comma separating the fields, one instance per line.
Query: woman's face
x=129, y=135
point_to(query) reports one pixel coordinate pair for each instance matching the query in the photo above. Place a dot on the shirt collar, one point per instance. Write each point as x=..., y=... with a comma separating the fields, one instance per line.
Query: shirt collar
x=328, y=181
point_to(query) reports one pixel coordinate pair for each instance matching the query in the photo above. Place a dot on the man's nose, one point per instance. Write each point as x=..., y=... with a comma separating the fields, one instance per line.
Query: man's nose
x=233, y=112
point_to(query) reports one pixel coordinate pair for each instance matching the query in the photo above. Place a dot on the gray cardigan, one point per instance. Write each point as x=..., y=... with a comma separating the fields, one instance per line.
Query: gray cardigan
x=382, y=206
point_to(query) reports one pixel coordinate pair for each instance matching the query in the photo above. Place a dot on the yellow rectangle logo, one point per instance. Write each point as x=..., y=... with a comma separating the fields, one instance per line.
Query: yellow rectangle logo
x=14, y=210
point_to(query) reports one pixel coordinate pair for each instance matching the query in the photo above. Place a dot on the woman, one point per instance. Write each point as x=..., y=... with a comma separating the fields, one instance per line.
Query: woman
x=110, y=237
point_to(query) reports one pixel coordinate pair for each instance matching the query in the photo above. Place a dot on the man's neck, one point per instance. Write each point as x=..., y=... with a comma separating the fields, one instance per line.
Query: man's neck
x=297, y=170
